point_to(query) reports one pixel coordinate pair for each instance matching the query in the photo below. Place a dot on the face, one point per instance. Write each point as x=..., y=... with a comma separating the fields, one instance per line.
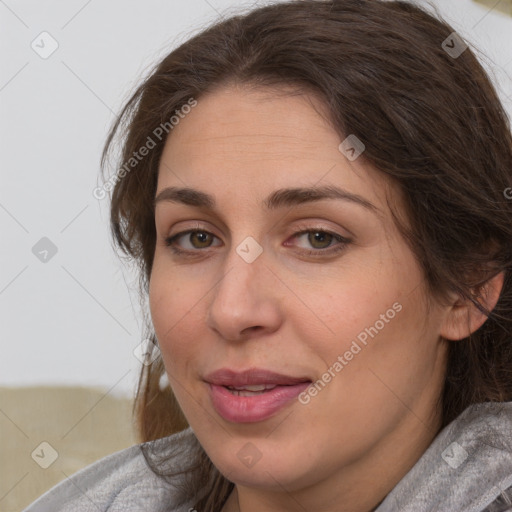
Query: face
x=320, y=298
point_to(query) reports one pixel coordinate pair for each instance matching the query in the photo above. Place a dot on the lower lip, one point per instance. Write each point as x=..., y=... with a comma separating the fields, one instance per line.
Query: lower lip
x=248, y=409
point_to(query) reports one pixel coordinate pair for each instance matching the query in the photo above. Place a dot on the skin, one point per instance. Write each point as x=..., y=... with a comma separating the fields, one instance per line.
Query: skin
x=294, y=313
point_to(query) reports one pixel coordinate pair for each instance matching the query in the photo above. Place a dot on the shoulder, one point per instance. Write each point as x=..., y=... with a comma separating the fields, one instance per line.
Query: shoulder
x=467, y=467
x=121, y=481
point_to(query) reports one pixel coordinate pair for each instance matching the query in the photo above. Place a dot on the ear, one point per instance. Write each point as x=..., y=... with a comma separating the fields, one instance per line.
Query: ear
x=464, y=318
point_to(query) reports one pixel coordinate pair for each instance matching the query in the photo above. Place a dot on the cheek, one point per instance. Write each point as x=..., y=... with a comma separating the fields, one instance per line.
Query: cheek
x=351, y=304
x=174, y=312
x=372, y=317
x=386, y=353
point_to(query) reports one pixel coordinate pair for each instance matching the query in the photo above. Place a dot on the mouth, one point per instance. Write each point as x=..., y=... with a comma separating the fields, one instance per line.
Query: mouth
x=252, y=395
x=254, y=390
x=251, y=378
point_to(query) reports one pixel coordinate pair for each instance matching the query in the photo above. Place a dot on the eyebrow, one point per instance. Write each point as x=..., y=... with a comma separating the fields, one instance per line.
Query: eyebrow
x=278, y=199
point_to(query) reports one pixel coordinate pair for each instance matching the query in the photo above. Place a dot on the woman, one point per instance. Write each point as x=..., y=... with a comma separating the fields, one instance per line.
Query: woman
x=316, y=193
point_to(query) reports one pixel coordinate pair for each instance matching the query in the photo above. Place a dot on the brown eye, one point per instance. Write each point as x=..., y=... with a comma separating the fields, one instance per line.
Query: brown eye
x=319, y=239
x=319, y=242
x=196, y=239
x=204, y=239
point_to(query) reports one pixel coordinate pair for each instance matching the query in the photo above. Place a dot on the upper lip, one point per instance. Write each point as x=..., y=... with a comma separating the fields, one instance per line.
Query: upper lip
x=251, y=376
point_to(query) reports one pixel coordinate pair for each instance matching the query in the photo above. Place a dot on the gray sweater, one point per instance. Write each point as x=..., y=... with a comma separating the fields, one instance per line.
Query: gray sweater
x=467, y=468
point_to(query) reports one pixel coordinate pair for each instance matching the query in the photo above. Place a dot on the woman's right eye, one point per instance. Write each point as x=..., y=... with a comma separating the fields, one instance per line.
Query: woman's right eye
x=200, y=239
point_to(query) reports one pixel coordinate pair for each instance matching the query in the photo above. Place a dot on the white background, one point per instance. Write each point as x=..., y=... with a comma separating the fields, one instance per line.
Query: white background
x=76, y=319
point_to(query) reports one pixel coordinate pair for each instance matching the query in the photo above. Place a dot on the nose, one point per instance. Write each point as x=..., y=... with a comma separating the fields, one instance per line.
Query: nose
x=245, y=302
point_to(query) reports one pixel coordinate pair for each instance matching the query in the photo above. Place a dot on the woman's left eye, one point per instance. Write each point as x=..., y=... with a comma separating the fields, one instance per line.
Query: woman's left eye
x=320, y=239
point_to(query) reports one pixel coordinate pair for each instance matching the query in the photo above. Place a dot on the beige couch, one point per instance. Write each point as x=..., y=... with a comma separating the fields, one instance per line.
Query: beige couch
x=49, y=433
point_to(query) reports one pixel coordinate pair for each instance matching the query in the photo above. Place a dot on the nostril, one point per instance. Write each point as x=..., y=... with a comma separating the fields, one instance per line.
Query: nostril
x=254, y=328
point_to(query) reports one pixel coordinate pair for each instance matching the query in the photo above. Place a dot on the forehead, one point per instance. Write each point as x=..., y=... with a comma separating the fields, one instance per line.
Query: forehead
x=258, y=140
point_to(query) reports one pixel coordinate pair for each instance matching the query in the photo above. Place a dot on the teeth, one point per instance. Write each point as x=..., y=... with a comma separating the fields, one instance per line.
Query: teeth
x=257, y=389
x=237, y=392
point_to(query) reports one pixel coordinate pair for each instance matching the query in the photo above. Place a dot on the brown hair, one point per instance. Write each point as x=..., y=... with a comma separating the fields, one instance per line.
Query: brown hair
x=431, y=121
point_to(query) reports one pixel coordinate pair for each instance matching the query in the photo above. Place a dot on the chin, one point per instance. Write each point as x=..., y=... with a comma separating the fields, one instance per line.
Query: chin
x=258, y=463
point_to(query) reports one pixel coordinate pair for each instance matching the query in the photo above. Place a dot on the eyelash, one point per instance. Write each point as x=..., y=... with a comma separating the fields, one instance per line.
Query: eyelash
x=341, y=246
